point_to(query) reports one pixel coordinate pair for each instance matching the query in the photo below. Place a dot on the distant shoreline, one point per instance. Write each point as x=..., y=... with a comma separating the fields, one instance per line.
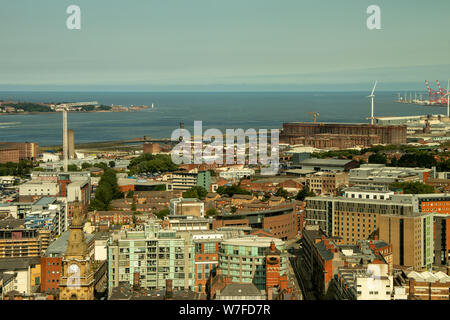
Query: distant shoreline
x=52, y=112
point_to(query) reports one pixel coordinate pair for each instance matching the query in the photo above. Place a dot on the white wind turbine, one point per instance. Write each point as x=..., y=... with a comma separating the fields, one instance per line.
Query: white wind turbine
x=372, y=96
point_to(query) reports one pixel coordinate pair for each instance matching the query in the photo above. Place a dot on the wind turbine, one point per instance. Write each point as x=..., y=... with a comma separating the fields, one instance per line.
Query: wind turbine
x=448, y=98
x=372, y=96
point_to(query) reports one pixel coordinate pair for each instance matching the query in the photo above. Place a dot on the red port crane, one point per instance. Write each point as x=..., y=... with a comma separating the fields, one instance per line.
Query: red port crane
x=435, y=97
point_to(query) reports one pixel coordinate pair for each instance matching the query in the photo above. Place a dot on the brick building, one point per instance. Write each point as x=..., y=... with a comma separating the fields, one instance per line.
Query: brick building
x=9, y=155
x=341, y=135
x=282, y=221
x=26, y=150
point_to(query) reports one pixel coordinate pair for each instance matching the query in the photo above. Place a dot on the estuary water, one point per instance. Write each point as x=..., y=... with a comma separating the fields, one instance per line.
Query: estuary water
x=222, y=110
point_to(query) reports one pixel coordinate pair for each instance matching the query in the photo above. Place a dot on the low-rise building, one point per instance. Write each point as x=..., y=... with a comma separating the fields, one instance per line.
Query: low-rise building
x=327, y=182
x=187, y=207
x=380, y=175
x=26, y=272
x=280, y=220
x=424, y=285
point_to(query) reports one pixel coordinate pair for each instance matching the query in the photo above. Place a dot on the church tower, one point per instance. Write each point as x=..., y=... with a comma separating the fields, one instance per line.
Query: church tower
x=77, y=279
x=273, y=266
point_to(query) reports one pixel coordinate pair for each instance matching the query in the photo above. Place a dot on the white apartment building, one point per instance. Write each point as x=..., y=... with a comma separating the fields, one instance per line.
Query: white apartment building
x=236, y=174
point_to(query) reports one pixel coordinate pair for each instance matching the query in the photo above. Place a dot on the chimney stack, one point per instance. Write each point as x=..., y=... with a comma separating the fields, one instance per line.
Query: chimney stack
x=169, y=292
x=136, y=284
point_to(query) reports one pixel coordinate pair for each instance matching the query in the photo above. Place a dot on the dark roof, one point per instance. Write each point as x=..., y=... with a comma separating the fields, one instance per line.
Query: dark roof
x=325, y=162
x=326, y=255
x=125, y=292
x=240, y=289
x=243, y=196
x=380, y=244
x=19, y=263
x=6, y=277
x=10, y=223
x=59, y=246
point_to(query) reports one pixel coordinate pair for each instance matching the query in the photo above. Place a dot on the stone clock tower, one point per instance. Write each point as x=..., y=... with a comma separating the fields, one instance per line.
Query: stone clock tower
x=77, y=278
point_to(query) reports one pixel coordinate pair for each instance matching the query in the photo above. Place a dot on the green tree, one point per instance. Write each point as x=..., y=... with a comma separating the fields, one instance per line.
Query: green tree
x=106, y=191
x=72, y=167
x=231, y=190
x=211, y=212
x=195, y=192
x=149, y=163
x=161, y=214
x=130, y=194
x=112, y=164
x=160, y=187
x=302, y=194
x=101, y=165
x=379, y=158
x=282, y=193
x=412, y=187
x=85, y=165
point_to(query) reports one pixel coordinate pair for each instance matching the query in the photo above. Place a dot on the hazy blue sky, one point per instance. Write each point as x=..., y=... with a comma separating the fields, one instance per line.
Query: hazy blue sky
x=223, y=45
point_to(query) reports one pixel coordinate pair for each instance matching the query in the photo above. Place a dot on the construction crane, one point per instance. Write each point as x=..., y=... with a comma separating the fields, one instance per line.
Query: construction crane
x=315, y=114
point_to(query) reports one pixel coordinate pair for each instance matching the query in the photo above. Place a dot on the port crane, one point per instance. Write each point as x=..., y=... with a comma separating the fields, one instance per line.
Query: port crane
x=437, y=97
x=315, y=114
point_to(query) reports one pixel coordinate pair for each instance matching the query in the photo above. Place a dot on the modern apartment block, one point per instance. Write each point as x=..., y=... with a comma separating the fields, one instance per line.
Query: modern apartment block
x=206, y=251
x=410, y=232
x=368, y=192
x=411, y=237
x=16, y=241
x=204, y=179
x=48, y=213
x=244, y=259
x=182, y=181
x=152, y=255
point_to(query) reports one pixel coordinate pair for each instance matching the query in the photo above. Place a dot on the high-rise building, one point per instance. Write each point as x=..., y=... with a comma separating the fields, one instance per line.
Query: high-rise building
x=411, y=237
x=204, y=179
x=151, y=255
x=442, y=239
x=16, y=241
x=244, y=260
x=398, y=222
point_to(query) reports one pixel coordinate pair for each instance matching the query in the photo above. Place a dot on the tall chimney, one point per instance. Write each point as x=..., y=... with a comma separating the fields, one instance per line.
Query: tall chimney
x=65, y=141
x=136, y=284
x=169, y=292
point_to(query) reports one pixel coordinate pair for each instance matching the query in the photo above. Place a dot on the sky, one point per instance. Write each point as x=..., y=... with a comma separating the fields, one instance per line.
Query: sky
x=211, y=45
